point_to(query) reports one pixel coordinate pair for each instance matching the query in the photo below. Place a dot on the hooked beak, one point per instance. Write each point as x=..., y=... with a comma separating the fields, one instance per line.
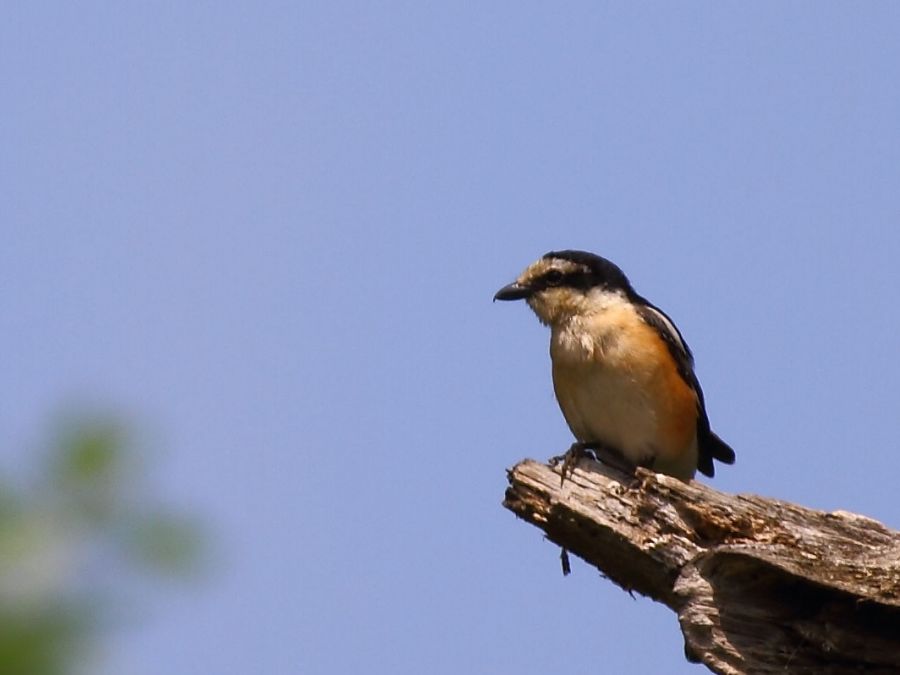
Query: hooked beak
x=514, y=291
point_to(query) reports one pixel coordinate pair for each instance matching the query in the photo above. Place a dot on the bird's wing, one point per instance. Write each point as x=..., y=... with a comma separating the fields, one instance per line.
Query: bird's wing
x=709, y=445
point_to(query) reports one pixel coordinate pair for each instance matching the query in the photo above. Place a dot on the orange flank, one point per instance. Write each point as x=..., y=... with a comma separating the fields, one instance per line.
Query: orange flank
x=676, y=401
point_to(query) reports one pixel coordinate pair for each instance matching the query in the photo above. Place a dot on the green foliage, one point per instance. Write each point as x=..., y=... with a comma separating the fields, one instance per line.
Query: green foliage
x=165, y=542
x=72, y=541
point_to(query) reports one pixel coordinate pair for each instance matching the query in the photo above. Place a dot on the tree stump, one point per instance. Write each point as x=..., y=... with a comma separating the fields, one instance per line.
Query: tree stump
x=759, y=585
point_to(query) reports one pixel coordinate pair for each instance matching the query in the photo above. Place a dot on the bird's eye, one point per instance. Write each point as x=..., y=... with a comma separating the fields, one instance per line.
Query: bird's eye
x=553, y=278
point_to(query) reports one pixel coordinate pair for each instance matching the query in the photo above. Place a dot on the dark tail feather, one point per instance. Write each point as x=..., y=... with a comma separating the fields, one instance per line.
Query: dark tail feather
x=712, y=447
x=719, y=449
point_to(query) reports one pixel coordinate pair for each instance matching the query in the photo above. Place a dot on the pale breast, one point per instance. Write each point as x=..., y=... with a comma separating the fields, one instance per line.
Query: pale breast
x=601, y=404
x=612, y=381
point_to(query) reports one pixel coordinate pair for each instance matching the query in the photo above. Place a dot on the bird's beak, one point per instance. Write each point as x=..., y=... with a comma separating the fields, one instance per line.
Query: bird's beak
x=514, y=291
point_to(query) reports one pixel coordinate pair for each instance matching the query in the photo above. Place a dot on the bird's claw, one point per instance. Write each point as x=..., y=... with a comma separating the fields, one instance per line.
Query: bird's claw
x=596, y=451
x=570, y=459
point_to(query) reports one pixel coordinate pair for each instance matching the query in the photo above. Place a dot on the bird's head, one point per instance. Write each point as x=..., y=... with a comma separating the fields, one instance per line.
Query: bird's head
x=563, y=284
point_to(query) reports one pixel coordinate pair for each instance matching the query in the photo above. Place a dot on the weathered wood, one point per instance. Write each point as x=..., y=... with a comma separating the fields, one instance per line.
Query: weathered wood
x=759, y=585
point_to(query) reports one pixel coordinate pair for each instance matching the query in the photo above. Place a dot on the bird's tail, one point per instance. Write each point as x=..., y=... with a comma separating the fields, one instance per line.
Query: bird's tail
x=719, y=449
x=712, y=447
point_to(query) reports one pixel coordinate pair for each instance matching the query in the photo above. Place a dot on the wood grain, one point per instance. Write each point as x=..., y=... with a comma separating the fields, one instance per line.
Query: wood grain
x=759, y=585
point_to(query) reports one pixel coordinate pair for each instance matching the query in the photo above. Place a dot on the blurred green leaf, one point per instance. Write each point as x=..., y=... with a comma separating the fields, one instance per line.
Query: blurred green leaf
x=90, y=453
x=43, y=643
x=88, y=470
x=69, y=540
x=166, y=543
x=9, y=503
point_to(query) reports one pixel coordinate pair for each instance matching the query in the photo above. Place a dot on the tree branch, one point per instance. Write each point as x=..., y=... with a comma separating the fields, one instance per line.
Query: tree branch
x=759, y=585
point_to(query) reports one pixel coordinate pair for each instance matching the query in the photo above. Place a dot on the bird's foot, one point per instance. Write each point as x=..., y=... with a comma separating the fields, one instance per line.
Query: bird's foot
x=569, y=459
x=596, y=451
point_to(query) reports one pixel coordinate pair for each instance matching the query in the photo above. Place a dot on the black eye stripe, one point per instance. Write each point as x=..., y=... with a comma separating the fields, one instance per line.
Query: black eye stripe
x=553, y=278
x=576, y=279
x=594, y=271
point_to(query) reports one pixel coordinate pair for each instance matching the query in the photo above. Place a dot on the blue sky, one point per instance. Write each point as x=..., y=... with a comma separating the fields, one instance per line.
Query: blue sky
x=270, y=233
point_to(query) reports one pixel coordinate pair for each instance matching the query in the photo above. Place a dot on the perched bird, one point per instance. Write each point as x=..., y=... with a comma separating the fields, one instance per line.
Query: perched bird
x=623, y=375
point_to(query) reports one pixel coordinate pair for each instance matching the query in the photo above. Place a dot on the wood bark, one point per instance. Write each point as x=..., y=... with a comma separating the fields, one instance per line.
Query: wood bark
x=759, y=585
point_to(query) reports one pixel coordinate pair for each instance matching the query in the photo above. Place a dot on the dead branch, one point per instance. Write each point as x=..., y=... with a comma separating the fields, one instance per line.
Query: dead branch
x=759, y=585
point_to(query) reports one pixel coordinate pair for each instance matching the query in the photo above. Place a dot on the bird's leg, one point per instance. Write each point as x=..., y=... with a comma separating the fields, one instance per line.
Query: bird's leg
x=594, y=450
x=578, y=449
x=569, y=459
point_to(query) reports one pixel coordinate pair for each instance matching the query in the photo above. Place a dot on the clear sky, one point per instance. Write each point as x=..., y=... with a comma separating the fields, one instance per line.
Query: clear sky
x=270, y=232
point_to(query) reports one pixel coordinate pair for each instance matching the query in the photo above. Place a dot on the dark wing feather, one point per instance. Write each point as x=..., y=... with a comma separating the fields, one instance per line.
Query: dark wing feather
x=709, y=445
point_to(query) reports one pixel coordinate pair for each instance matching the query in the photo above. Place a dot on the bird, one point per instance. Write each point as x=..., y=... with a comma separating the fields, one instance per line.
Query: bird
x=623, y=375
